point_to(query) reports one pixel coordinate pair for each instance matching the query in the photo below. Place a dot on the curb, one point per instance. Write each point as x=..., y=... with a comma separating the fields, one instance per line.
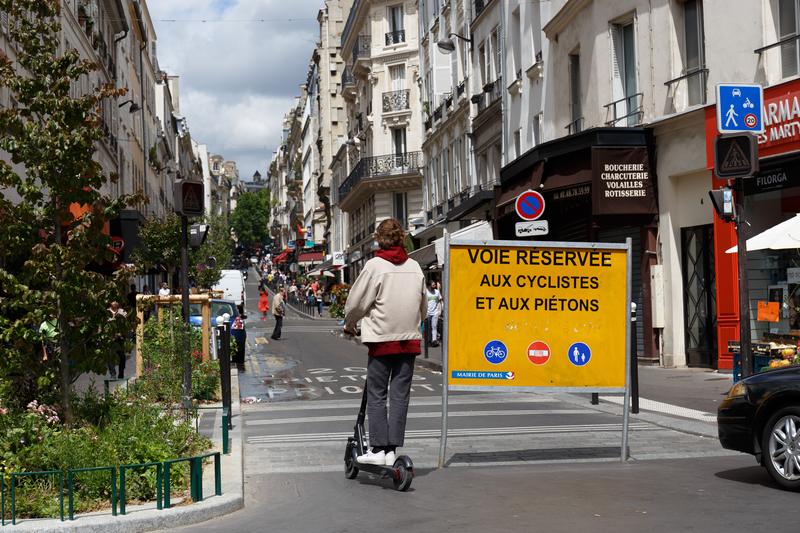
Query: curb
x=430, y=364
x=140, y=520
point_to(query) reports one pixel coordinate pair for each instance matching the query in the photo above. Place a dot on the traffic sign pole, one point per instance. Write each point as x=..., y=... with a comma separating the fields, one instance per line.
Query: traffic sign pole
x=744, y=290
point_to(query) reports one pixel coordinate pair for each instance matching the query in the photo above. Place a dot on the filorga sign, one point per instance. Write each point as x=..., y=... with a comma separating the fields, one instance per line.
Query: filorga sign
x=621, y=182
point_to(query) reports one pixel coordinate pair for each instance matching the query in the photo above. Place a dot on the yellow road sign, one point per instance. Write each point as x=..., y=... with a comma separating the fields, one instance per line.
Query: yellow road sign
x=537, y=315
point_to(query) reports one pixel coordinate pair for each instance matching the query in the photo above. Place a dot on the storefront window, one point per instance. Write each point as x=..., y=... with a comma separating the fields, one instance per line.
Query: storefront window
x=773, y=275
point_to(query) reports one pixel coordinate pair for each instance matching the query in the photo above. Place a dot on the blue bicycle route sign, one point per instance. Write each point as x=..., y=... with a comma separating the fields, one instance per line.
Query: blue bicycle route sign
x=739, y=108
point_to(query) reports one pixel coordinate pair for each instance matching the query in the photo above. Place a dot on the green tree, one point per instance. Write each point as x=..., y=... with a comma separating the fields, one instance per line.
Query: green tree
x=250, y=219
x=160, y=248
x=159, y=245
x=219, y=245
x=51, y=260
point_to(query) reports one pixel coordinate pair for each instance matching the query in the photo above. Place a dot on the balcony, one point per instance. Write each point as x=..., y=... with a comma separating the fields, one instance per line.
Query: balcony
x=395, y=37
x=627, y=111
x=387, y=171
x=348, y=82
x=576, y=126
x=492, y=92
x=396, y=101
x=363, y=47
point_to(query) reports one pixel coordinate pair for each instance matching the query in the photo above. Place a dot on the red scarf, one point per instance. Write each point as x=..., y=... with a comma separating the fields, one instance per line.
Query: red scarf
x=396, y=254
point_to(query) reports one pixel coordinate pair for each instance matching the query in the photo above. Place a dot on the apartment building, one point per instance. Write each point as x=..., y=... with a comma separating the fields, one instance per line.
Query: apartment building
x=332, y=122
x=383, y=110
x=450, y=190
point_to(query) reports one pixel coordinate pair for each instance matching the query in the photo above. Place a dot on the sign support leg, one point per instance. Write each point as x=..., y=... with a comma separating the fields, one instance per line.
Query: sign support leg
x=445, y=341
x=627, y=398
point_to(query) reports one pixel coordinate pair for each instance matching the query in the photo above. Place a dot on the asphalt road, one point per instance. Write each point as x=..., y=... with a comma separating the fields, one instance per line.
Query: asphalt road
x=515, y=462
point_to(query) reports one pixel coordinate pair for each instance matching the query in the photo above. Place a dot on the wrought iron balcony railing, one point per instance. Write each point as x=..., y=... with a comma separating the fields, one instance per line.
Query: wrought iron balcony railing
x=395, y=101
x=496, y=92
x=576, y=126
x=362, y=48
x=395, y=37
x=627, y=109
x=348, y=79
x=380, y=166
x=480, y=5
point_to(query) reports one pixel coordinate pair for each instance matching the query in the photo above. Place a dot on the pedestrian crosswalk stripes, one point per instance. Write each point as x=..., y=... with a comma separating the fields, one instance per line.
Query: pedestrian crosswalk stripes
x=467, y=432
x=432, y=414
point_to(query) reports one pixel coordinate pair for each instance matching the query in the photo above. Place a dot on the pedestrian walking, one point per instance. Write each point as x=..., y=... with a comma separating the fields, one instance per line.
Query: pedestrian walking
x=320, y=301
x=434, y=299
x=131, y=297
x=390, y=301
x=240, y=335
x=117, y=312
x=278, y=311
x=263, y=303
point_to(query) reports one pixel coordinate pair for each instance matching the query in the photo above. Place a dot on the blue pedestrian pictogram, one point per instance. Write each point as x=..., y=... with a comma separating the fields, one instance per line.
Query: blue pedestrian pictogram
x=495, y=352
x=579, y=353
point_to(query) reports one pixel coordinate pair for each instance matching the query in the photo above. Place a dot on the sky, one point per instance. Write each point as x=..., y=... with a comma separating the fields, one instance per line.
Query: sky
x=240, y=70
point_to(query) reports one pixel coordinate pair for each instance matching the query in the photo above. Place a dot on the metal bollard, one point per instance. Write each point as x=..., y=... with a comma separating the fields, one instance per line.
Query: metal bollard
x=634, y=363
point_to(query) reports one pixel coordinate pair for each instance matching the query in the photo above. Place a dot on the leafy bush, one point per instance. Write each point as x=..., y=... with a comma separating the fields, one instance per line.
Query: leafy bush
x=164, y=351
x=340, y=294
x=119, y=430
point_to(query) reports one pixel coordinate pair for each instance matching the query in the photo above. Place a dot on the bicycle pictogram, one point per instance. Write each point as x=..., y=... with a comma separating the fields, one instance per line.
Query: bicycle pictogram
x=495, y=352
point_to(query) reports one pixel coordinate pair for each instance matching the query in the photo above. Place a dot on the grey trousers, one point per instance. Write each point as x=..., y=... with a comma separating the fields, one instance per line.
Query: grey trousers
x=392, y=374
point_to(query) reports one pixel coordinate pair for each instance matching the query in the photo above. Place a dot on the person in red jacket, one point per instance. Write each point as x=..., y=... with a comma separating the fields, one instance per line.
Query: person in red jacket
x=263, y=303
x=390, y=301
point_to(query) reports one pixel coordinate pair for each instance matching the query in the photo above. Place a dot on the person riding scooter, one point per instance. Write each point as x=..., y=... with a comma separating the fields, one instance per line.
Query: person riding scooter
x=389, y=299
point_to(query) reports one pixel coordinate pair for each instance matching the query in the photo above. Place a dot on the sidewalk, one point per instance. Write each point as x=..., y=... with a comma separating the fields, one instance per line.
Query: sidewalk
x=147, y=517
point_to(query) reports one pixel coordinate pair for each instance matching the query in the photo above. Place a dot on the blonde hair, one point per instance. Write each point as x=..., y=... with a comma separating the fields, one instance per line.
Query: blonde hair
x=390, y=233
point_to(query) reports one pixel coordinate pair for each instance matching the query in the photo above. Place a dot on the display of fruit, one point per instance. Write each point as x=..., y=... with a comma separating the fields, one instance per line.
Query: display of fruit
x=779, y=363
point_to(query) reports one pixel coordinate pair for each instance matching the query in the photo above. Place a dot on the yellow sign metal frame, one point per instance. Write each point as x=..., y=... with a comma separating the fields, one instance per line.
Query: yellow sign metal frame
x=586, y=309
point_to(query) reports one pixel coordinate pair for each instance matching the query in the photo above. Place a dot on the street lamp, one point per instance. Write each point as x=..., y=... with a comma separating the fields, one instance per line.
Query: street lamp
x=134, y=106
x=447, y=45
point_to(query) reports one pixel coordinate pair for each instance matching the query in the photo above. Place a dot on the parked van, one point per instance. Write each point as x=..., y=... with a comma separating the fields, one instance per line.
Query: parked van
x=231, y=283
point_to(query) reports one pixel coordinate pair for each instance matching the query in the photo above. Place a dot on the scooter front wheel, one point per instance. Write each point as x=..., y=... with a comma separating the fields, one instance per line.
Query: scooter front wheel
x=402, y=476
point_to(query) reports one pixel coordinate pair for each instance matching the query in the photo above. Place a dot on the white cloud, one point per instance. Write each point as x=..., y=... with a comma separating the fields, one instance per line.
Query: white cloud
x=240, y=70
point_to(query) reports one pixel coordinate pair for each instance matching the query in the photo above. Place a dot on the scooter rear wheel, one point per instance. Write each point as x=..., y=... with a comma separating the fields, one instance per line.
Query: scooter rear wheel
x=403, y=476
x=350, y=468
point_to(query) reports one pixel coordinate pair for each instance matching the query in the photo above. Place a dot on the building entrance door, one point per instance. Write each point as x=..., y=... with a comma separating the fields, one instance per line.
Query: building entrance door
x=699, y=296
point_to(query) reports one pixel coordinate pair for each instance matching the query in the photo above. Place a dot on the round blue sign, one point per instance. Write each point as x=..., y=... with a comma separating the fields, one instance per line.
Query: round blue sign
x=495, y=352
x=530, y=205
x=579, y=353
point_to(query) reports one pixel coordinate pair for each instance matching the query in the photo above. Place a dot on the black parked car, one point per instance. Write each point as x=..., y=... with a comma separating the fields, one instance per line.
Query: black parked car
x=761, y=416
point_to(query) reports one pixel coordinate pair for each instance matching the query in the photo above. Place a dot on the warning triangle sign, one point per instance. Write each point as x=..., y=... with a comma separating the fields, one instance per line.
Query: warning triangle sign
x=735, y=159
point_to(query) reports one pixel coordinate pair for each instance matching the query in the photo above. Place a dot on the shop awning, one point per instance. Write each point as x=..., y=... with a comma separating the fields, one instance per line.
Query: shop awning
x=281, y=257
x=310, y=257
x=784, y=236
x=425, y=256
x=464, y=210
x=509, y=195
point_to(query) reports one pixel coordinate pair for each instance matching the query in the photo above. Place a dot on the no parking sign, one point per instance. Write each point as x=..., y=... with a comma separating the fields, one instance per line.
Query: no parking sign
x=530, y=205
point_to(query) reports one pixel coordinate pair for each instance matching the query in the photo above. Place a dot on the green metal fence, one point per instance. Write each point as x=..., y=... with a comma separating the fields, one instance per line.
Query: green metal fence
x=71, y=487
x=118, y=495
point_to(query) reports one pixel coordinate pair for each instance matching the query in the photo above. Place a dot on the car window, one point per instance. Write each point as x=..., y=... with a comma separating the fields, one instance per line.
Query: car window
x=219, y=308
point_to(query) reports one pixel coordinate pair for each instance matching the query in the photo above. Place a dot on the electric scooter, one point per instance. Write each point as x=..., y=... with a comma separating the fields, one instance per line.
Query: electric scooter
x=402, y=472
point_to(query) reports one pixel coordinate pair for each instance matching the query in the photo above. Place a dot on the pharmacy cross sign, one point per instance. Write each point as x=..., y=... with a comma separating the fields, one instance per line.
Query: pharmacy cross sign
x=740, y=108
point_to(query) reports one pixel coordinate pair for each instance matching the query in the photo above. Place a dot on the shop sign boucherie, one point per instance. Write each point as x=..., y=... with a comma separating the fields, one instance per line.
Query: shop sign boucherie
x=621, y=182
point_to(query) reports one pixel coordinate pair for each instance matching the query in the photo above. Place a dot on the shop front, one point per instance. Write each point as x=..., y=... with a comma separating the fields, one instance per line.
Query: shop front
x=771, y=197
x=598, y=186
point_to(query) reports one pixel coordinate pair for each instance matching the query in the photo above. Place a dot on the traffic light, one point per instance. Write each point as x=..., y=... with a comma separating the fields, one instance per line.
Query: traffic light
x=188, y=197
x=722, y=199
x=735, y=156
